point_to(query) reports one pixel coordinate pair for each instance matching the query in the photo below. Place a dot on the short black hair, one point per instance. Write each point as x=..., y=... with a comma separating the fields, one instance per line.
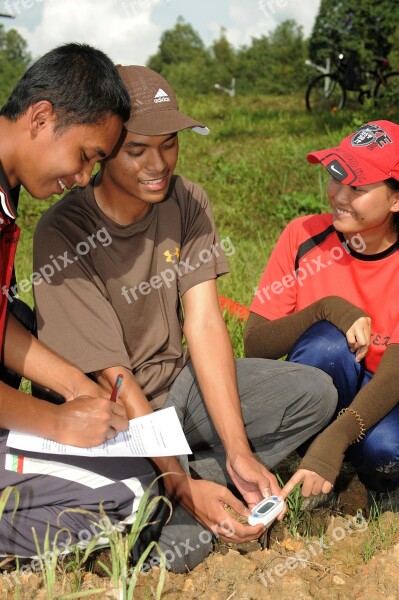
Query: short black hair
x=80, y=81
x=393, y=184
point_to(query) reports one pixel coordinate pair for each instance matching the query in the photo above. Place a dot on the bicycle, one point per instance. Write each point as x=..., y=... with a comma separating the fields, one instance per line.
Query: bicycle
x=328, y=91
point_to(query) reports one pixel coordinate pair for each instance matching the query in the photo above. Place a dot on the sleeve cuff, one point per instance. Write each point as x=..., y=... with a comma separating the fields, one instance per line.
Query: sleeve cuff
x=327, y=470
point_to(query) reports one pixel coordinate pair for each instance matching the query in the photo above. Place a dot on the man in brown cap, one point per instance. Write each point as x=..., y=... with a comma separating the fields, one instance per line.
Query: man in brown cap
x=124, y=300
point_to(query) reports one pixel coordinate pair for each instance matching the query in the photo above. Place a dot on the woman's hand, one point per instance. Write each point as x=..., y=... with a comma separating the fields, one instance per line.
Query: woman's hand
x=359, y=336
x=313, y=484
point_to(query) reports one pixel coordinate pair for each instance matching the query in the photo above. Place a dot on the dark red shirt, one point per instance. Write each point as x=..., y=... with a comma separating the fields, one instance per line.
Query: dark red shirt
x=9, y=235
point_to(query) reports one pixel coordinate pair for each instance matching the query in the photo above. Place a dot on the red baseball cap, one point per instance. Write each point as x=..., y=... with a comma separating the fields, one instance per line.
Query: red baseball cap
x=369, y=155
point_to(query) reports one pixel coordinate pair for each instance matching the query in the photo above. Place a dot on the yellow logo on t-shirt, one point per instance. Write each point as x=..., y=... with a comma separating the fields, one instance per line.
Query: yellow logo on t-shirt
x=169, y=255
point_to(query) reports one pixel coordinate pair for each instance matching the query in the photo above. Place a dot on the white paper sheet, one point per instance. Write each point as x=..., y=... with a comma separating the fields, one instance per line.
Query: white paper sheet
x=157, y=434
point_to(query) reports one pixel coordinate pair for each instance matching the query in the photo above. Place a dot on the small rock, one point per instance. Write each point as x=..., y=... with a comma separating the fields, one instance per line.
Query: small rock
x=293, y=545
x=188, y=586
x=338, y=580
x=222, y=585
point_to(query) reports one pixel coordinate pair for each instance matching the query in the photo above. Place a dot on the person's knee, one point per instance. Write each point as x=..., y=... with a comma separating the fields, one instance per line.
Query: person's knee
x=380, y=452
x=376, y=458
x=320, y=343
x=184, y=545
x=319, y=395
x=186, y=554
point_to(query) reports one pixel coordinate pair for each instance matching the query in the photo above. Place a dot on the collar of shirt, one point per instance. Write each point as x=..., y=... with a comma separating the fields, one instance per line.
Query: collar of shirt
x=8, y=200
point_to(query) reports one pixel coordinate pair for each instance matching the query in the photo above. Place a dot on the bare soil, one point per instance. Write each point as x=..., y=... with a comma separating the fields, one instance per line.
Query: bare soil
x=338, y=557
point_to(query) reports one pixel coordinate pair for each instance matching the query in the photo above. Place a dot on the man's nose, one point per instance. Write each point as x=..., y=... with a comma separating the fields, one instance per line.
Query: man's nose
x=83, y=177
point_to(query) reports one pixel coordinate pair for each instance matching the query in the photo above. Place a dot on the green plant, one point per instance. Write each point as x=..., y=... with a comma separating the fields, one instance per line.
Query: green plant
x=5, y=495
x=47, y=557
x=382, y=531
x=123, y=577
x=297, y=518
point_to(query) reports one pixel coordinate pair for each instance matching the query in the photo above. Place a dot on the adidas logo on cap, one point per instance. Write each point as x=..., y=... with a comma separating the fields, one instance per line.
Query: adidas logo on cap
x=161, y=96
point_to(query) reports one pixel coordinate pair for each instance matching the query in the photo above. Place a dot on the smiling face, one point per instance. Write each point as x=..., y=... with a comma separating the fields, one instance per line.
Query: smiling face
x=366, y=209
x=141, y=168
x=52, y=162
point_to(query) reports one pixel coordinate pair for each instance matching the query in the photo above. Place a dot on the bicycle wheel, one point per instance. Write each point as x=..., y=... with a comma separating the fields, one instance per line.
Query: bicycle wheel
x=387, y=91
x=325, y=93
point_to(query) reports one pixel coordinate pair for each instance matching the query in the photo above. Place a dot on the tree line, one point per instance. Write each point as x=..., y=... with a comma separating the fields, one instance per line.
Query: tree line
x=264, y=66
x=14, y=60
x=270, y=64
x=275, y=63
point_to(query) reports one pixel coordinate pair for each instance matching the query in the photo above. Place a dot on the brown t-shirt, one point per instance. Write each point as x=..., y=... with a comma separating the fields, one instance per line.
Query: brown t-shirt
x=109, y=294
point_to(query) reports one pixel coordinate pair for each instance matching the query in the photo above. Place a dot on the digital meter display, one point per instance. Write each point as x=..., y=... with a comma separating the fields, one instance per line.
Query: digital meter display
x=265, y=508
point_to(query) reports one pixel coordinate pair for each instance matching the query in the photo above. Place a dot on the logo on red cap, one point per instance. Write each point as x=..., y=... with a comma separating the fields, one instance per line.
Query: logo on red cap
x=370, y=135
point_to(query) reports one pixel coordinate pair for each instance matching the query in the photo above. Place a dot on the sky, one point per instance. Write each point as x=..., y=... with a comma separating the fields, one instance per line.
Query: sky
x=129, y=31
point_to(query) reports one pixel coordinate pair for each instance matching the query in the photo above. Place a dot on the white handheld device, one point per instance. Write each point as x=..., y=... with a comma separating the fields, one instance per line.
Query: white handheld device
x=266, y=511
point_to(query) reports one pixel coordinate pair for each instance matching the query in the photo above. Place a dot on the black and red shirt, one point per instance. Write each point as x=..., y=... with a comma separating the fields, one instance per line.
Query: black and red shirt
x=311, y=261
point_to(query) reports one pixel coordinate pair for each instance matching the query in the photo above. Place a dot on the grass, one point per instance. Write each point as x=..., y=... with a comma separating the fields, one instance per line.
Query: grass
x=297, y=518
x=55, y=569
x=253, y=167
x=383, y=529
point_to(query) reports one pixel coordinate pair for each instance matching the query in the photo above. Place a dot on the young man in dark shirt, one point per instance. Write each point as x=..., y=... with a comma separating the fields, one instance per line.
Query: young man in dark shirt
x=65, y=114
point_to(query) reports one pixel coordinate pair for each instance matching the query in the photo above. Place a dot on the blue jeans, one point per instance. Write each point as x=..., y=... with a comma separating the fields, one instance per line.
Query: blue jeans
x=376, y=457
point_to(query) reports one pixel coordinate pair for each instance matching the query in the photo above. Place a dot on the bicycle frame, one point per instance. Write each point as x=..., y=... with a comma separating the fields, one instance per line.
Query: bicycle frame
x=325, y=70
x=332, y=81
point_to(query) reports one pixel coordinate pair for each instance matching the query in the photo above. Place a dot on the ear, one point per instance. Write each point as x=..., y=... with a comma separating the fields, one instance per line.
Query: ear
x=395, y=202
x=41, y=115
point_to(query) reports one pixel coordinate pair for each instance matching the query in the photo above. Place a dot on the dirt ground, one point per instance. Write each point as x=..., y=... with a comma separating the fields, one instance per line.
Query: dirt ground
x=344, y=557
x=339, y=556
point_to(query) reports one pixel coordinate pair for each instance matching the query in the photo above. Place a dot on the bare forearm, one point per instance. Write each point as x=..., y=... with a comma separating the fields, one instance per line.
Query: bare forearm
x=20, y=411
x=137, y=405
x=25, y=355
x=212, y=357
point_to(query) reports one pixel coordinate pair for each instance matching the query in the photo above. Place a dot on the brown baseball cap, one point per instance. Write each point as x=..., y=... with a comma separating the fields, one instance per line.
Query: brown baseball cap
x=155, y=110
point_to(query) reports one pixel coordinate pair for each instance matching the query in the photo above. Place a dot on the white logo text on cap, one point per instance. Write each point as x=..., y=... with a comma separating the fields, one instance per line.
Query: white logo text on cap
x=161, y=96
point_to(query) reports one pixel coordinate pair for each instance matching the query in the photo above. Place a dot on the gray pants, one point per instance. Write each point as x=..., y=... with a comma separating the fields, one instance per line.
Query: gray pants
x=283, y=404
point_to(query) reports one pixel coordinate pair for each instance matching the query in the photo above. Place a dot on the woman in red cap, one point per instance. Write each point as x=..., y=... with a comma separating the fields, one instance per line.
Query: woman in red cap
x=328, y=298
